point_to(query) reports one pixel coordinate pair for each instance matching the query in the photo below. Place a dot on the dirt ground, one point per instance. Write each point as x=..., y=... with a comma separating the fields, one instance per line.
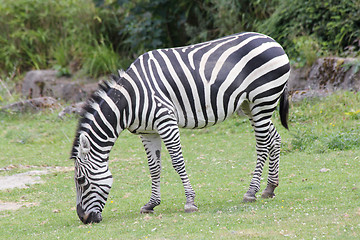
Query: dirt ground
x=24, y=180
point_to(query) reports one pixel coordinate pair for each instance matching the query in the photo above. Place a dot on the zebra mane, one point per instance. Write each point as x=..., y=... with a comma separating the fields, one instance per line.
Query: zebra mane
x=95, y=97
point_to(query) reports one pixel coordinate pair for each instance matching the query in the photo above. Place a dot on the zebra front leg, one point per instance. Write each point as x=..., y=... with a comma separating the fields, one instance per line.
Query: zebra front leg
x=274, y=160
x=152, y=145
x=171, y=138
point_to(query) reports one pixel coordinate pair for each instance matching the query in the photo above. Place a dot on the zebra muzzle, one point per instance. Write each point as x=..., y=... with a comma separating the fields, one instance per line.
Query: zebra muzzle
x=93, y=217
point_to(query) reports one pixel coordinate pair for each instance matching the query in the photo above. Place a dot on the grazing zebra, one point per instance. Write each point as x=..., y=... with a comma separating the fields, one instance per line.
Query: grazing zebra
x=190, y=87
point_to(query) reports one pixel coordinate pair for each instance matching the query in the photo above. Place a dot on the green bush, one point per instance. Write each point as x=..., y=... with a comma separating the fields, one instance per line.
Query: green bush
x=307, y=49
x=153, y=24
x=306, y=28
x=100, y=36
x=217, y=18
x=167, y=23
x=332, y=25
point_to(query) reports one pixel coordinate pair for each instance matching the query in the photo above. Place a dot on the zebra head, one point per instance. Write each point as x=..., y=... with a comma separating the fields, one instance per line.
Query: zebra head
x=93, y=181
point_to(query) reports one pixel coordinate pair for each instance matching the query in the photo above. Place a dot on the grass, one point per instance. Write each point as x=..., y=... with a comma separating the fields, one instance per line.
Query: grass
x=309, y=203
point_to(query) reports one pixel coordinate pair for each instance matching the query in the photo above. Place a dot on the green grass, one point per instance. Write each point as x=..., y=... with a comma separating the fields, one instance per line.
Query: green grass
x=309, y=204
x=63, y=35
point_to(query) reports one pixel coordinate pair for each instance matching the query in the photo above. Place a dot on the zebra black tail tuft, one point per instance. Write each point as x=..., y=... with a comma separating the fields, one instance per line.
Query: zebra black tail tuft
x=284, y=108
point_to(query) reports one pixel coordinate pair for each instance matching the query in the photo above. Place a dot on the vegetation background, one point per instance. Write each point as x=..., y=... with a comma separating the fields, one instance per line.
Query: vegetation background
x=97, y=37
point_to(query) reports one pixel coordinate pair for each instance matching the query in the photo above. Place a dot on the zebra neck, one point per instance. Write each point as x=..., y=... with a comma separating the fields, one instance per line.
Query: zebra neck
x=102, y=124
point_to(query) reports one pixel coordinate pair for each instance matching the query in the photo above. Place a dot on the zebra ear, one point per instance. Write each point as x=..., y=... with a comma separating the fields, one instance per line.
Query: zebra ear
x=121, y=73
x=84, y=144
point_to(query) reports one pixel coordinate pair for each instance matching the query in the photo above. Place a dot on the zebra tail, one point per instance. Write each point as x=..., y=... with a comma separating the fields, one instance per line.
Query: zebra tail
x=284, y=108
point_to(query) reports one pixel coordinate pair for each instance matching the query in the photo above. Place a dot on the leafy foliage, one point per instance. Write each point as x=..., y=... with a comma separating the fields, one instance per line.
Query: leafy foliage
x=331, y=24
x=166, y=23
x=82, y=34
x=101, y=59
x=217, y=18
x=154, y=24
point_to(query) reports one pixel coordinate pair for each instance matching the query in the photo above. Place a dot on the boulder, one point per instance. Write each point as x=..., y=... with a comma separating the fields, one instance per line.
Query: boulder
x=324, y=77
x=75, y=108
x=40, y=83
x=334, y=73
x=32, y=105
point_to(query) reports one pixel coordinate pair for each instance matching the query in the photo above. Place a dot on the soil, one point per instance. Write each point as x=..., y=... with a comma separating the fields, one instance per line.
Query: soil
x=21, y=180
x=11, y=206
x=24, y=180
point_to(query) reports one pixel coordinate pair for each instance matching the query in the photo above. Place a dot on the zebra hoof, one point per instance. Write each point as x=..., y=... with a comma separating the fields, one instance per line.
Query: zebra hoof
x=248, y=197
x=267, y=195
x=269, y=191
x=147, y=208
x=146, y=211
x=190, y=207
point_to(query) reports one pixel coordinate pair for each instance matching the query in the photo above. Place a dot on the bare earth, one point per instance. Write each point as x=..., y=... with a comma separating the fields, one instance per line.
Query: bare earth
x=24, y=180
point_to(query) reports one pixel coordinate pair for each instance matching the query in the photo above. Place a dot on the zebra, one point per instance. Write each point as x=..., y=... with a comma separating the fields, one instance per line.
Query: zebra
x=193, y=87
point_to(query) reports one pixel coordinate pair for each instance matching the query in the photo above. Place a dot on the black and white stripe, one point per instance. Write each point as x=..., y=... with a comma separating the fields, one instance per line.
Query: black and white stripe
x=190, y=87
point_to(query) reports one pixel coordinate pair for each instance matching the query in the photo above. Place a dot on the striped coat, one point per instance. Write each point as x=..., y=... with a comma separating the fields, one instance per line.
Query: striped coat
x=189, y=87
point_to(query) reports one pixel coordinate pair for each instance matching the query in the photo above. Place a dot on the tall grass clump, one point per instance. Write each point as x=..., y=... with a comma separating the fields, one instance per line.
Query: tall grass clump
x=41, y=34
x=102, y=58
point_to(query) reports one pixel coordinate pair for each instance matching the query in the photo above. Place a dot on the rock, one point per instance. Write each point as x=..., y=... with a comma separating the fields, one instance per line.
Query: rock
x=324, y=77
x=76, y=108
x=298, y=79
x=33, y=105
x=323, y=170
x=330, y=73
x=39, y=83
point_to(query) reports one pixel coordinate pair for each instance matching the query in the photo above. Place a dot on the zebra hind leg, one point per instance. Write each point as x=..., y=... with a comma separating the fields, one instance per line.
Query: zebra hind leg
x=263, y=139
x=250, y=195
x=152, y=144
x=274, y=160
x=171, y=138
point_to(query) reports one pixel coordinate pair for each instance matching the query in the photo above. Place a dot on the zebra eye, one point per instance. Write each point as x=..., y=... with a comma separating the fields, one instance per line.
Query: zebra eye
x=81, y=180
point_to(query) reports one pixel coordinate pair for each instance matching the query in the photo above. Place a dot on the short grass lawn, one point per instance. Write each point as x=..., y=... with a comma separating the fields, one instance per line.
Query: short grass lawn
x=318, y=195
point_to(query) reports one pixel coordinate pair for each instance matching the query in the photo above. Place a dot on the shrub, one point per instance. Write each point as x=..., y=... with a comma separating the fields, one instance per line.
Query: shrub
x=43, y=34
x=166, y=23
x=308, y=50
x=333, y=25
x=217, y=18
